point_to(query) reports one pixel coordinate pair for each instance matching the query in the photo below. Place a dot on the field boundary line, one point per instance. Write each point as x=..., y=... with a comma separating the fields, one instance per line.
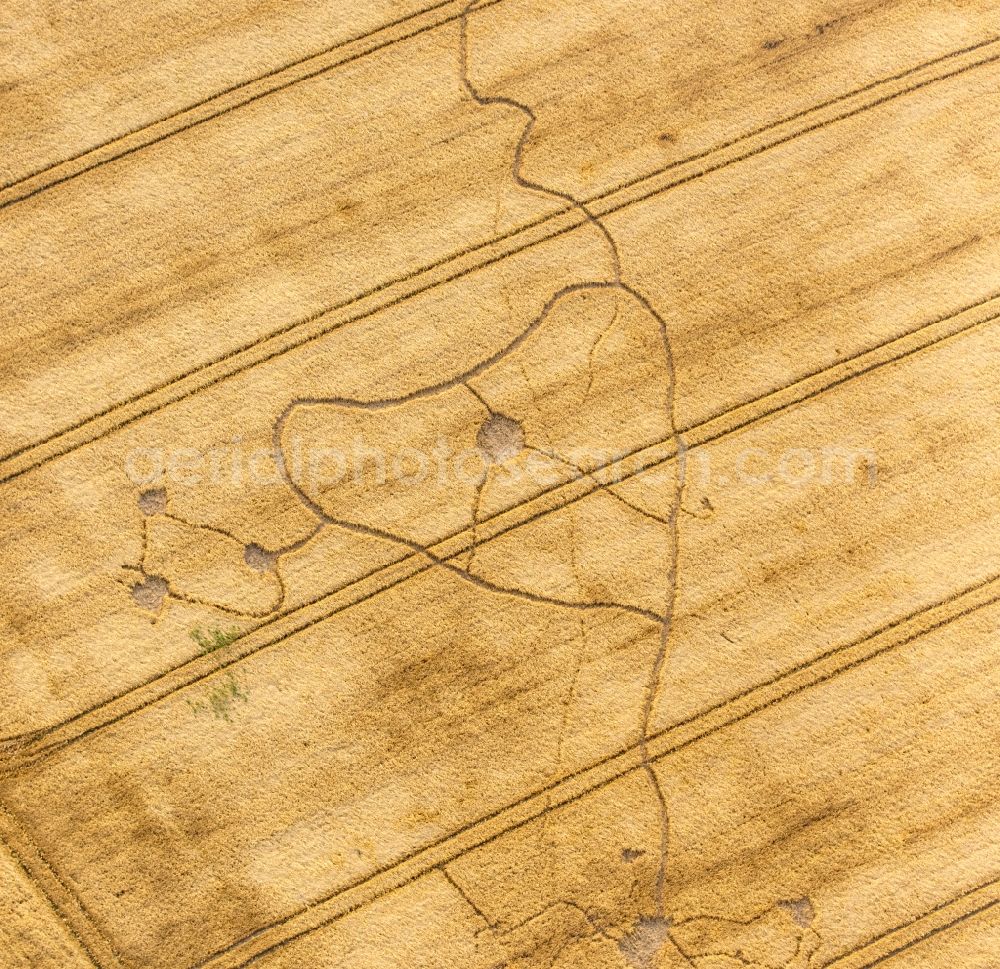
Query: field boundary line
x=554, y=796
x=558, y=794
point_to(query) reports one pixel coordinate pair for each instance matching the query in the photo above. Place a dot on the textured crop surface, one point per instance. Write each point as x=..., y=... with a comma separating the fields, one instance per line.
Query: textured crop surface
x=503, y=484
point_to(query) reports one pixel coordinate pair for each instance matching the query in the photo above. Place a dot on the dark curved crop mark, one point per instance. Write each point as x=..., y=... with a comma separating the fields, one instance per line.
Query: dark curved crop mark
x=469, y=250
x=617, y=775
x=20, y=741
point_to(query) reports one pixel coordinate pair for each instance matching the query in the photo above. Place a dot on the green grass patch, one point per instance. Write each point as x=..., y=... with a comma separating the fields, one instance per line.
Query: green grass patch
x=215, y=638
x=219, y=701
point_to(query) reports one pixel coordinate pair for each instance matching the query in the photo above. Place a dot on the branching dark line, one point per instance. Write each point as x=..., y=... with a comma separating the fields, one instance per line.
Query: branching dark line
x=647, y=765
x=607, y=488
x=465, y=896
x=604, y=783
x=420, y=571
x=553, y=786
x=665, y=621
x=518, y=162
x=313, y=317
x=35, y=736
x=432, y=390
x=645, y=735
x=418, y=548
x=469, y=250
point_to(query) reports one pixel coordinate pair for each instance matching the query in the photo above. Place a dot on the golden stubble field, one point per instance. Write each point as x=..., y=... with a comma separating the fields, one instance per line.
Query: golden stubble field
x=499, y=485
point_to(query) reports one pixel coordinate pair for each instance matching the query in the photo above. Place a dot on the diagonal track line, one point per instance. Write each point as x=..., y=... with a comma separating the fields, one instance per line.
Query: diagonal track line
x=232, y=98
x=57, y=895
x=458, y=265
x=572, y=788
x=942, y=918
x=567, y=790
x=28, y=748
x=981, y=907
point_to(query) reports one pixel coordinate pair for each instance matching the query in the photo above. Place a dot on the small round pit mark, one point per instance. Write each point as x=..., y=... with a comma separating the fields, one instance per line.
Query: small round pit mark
x=500, y=438
x=151, y=593
x=259, y=559
x=801, y=911
x=153, y=502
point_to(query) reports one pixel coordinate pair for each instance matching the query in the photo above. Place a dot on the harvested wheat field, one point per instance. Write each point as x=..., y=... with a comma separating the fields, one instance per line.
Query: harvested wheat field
x=499, y=484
